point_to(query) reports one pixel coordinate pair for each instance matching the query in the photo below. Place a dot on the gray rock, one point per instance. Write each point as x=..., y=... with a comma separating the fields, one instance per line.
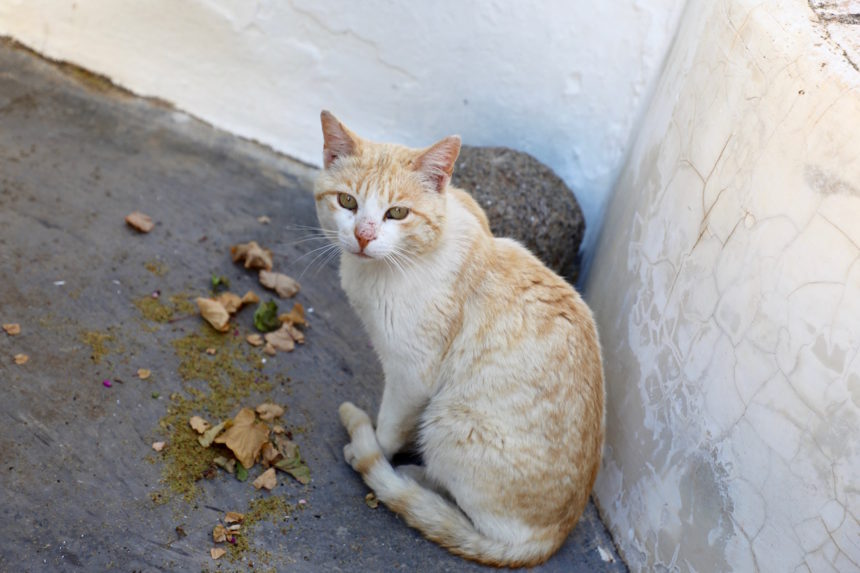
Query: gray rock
x=526, y=201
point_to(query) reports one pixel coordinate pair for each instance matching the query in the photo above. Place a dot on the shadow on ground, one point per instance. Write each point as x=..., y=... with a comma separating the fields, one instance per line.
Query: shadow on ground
x=80, y=487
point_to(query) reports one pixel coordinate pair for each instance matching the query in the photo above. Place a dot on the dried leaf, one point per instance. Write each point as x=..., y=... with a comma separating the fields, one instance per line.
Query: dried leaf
x=245, y=438
x=269, y=412
x=278, y=429
x=143, y=373
x=214, y=313
x=206, y=439
x=263, y=220
x=250, y=297
x=266, y=316
x=269, y=349
x=281, y=339
x=267, y=479
x=211, y=351
x=269, y=454
x=234, y=517
x=254, y=339
x=219, y=534
x=21, y=358
x=296, y=316
x=292, y=460
x=285, y=286
x=297, y=334
x=199, y=424
x=217, y=552
x=228, y=466
x=371, y=500
x=231, y=302
x=139, y=221
x=12, y=329
x=158, y=446
x=254, y=256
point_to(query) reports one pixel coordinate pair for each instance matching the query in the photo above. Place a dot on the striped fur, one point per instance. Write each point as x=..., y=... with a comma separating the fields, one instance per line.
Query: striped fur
x=491, y=361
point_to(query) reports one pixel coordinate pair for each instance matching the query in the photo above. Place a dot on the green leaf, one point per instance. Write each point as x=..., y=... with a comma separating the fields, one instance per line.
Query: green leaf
x=241, y=472
x=266, y=317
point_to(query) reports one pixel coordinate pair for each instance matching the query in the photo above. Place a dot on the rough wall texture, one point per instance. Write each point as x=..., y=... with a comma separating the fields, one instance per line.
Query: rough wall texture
x=727, y=290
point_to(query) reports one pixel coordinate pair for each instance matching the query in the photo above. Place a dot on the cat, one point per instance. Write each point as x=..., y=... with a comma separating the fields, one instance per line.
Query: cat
x=491, y=361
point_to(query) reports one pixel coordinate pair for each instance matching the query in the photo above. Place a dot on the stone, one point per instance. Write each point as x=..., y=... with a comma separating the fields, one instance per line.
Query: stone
x=525, y=200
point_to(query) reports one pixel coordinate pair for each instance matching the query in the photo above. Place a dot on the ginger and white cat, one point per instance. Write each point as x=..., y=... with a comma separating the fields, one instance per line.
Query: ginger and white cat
x=491, y=361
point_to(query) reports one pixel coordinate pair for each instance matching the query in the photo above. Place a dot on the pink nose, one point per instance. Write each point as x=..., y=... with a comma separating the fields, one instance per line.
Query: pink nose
x=364, y=234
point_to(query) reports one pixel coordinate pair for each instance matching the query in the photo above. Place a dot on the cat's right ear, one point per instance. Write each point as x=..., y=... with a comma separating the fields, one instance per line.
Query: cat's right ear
x=338, y=140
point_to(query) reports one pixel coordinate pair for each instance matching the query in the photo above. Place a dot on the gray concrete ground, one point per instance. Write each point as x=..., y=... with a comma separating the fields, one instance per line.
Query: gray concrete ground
x=80, y=487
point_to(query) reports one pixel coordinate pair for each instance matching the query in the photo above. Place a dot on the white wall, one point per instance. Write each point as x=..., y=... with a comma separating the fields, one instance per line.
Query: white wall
x=726, y=287
x=564, y=80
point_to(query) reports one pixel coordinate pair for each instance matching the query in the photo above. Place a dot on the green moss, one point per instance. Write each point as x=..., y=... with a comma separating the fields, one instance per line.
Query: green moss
x=157, y=268
x=156, y=310
x=273, y=508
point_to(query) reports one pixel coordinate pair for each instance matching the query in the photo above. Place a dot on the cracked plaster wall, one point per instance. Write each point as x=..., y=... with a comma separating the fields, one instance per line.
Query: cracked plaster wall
x=727, y=289
x=564, y=81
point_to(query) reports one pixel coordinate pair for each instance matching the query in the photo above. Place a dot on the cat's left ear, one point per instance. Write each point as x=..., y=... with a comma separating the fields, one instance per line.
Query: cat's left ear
x=338, y=140
x=436, y=163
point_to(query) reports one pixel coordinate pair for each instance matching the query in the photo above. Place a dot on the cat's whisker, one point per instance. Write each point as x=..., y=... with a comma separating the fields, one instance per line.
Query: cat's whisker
x=323, y=254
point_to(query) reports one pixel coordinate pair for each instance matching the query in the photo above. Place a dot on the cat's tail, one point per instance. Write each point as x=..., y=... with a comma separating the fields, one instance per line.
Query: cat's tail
x=434, y=516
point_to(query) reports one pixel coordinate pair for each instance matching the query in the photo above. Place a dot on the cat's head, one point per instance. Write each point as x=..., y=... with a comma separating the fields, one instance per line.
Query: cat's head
x=382, y=200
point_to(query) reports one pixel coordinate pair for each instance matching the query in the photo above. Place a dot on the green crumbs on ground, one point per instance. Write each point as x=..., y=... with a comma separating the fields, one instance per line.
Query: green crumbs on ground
x=157, y=268
x=98, y=342
x=156, y=310
x=272, y=508
x=230, y=375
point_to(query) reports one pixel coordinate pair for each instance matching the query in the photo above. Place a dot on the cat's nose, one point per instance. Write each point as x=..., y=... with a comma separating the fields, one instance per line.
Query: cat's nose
x=364, y=234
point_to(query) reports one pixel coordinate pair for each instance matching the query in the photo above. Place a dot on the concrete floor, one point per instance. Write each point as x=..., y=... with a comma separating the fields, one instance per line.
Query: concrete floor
x=78, y=473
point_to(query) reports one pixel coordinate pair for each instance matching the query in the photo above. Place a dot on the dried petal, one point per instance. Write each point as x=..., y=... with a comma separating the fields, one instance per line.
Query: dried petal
x=254, y=339
x=21, y=358
x=281, y=339
x=245, y=438
x=234, y=517
x=158, y=446
x=12, y=329
x=199, y=425
x=219, y=534
x=214, y=313
x=296, y=316
x=139, y=221
x=143, y=373
x=217, y=552
x=267, y=479
x=269, y=412
x=254, y=256
x=285, y=286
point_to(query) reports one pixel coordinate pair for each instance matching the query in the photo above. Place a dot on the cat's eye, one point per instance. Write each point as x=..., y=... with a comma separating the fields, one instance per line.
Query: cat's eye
x=397, y=213
x=347, y=201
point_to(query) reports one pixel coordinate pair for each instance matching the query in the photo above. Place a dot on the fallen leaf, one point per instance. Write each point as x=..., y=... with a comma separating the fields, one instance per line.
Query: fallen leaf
x=12, y=329
x=158, y=446
x=228, y=466
x=254, y=256
x=266, y=316
x=143, y=373
x=21, y=358
x=241, y=472
x=214, y=313
x=278, y=429
x=297, y=334
x=245, y=437
x=263, y=220
x=269, y=412
x=267, y=480
x=269, y=454
x=292, y=462
x=285, y=286
x=219, y=534
x=199, y=425
x=281, y=339
x=206, y=439
x=231, y=302
x=296, y=316
x=217, y=552
x=269, y=349
x=139, y=221
x=234, y=517
x=371, y=500
x=250, y=297
x=211, y=351
x=254, y=339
